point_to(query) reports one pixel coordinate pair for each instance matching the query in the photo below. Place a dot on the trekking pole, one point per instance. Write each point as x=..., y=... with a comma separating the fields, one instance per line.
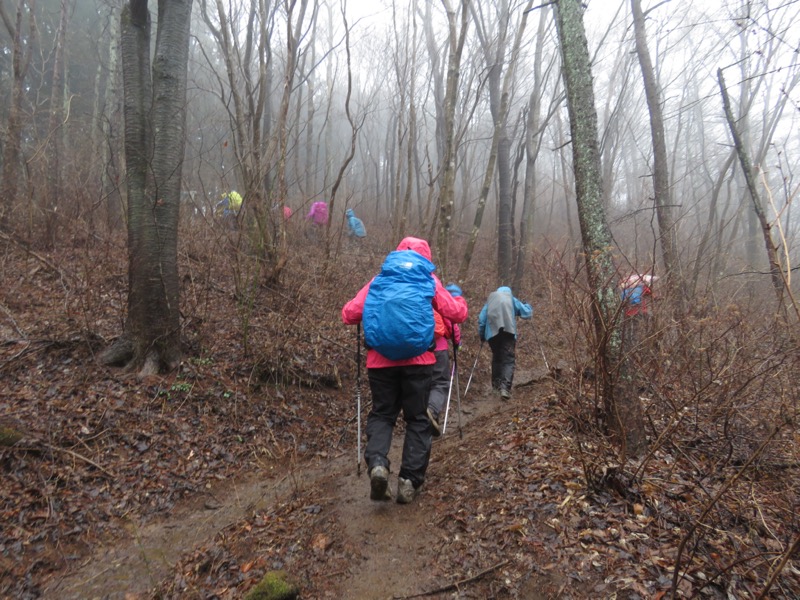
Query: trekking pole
x=473, y=369
x=449, y=392
x=541, y=349
x=458, y=392
x=358, y=397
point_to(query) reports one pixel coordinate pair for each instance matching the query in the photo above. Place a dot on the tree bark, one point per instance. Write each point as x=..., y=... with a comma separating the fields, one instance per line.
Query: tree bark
x=155, y=111
x=12, y=149
x=623, y=411
x=661, y=184
x=55, y=144
x=749, y=176
x=499, y=153
x=533, y=141
x=448, y=171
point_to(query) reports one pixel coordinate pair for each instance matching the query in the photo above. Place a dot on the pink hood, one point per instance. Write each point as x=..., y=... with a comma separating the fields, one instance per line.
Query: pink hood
x=418, y=245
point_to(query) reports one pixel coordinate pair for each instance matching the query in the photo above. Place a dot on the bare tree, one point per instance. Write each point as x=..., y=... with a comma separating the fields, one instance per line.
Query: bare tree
x=54, y=144
x=456, y=40
x=661, y=183
x=155, y=112
x=21, y=49
x=534, y=137
x=749, y=176
x=499, y=94
x=623, y=411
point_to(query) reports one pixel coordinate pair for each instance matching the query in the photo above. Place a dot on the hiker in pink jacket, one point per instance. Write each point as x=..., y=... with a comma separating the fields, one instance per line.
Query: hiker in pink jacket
x=401, y=385
x=317, y=217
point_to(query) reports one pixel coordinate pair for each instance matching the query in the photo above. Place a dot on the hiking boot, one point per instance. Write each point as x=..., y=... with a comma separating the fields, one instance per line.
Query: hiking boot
x=379, y=484
x=436, y=428
x=505, y=394
x=405, y=491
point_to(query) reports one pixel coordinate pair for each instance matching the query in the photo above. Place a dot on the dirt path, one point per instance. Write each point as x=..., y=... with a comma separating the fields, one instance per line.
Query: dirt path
x=397, y=541
x=138, y=563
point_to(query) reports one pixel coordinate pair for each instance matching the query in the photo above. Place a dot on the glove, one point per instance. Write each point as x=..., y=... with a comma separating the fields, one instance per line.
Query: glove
x=453, y=289
x=456, y=335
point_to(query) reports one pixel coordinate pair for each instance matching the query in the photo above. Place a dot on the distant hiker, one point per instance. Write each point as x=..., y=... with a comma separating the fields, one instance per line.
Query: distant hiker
x=317, y=217
x=396, y=308
x=355, y=226
x=228, y=208
x=636, y=294
x=287, y=213
x=318, y=214
x=497, y=323
x=442, y=375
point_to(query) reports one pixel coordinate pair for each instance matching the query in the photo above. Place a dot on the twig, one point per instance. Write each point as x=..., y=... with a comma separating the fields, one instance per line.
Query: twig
x=779, y=567
x=71, y=453
x=455, y=585
x=13, y=322
x=46, y=262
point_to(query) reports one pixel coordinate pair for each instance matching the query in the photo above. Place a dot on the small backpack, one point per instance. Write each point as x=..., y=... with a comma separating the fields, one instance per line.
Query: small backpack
x=398, y=315
x=633, y=295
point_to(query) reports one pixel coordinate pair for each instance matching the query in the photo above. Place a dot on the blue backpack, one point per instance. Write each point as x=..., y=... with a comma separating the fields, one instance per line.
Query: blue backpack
x=398, y=315
x=633, y=295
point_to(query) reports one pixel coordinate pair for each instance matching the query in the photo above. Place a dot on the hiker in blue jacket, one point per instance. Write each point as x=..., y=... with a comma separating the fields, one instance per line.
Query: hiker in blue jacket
x=497, y=323
x=401, y=382
x=355, y=226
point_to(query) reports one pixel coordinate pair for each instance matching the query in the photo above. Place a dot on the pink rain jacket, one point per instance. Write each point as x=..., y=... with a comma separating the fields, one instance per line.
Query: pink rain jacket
x=318, y=214
x=449, y=307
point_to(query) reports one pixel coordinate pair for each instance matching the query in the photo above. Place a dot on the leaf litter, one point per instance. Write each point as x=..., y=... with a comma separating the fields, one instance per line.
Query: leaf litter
x=239, y=464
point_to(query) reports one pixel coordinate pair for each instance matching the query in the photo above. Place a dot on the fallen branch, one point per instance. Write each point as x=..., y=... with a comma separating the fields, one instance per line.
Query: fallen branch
x=70, y=452
x=13, y=322
x=45, y=261
x=455, y=585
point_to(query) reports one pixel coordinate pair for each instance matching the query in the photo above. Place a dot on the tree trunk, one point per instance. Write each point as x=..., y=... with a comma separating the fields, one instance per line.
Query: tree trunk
x=55, y=144
x=533, y=140
x=448, y=171
x=155, y=110
x=12, y=148
x=661, y=185
x=499, y=153
x=623, y=411
x=749, y=176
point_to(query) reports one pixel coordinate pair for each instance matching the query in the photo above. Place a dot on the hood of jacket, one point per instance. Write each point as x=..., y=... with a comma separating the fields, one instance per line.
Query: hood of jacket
x=418, y=245
x=504, y=290
x=349, y=212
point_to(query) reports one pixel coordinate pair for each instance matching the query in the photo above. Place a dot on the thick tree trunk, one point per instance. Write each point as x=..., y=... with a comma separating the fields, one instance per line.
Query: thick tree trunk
x=623, y=410
x=154, y=146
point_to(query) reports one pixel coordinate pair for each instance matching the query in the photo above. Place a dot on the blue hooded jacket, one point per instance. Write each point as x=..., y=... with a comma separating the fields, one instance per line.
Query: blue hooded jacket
x=500, y=312
x=355, y=225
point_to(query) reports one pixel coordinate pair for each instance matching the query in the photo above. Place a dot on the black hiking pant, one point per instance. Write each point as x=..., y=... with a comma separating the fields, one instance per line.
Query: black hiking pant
x=440, y=383
x=395, y=389
x=503, y=347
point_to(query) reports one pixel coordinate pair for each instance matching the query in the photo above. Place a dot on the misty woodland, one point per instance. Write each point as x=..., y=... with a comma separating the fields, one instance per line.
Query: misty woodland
x=190, y=192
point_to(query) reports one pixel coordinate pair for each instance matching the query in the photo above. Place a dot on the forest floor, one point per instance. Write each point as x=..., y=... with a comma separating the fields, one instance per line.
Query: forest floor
x=195, y=484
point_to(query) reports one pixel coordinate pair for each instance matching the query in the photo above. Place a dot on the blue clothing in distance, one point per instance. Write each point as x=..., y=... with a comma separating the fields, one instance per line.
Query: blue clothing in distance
x=500, y=312
x=355, y=225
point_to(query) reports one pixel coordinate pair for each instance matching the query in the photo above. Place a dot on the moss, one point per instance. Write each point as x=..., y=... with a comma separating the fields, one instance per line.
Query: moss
x=275, y=585
x=9, y=436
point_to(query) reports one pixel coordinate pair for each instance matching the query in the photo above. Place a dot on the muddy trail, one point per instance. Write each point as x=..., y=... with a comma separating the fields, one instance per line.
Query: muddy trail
x=397, y=542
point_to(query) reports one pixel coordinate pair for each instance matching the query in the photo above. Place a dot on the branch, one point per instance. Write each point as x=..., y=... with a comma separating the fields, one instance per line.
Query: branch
x=455, y=585
x=71, y=453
